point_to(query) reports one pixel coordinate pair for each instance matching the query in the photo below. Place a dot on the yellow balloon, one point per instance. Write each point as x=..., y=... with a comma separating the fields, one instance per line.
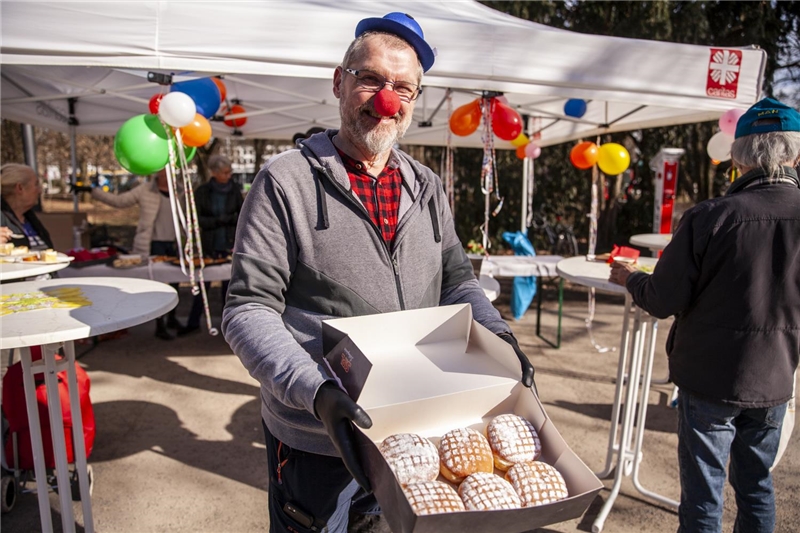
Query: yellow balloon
x=613, y=159
x=521, y=140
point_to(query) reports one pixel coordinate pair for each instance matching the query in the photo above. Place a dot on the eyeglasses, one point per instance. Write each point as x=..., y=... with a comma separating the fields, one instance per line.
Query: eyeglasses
x=374, y=82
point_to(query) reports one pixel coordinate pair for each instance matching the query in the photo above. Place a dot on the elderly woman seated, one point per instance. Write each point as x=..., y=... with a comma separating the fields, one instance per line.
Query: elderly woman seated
x=19, y=191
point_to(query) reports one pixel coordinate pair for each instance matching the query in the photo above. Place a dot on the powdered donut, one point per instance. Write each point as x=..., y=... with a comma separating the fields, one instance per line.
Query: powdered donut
x=432, y=497
x=537, y=483
x=513, y=440
x=484, y=492
x=464, y=451
x=412, y=458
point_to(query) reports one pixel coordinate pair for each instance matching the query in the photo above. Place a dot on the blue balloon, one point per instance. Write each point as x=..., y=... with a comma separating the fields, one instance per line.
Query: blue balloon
x=575, y=108
x=204, y=92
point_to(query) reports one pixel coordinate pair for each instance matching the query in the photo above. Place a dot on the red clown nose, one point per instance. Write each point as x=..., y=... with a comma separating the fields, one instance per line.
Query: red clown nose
x=387, y=103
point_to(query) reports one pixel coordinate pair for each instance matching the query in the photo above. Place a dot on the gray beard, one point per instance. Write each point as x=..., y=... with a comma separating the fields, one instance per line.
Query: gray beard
x=373, y=140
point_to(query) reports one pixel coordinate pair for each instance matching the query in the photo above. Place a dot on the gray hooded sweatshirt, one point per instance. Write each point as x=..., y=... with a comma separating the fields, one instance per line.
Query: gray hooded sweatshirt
x=307, y=251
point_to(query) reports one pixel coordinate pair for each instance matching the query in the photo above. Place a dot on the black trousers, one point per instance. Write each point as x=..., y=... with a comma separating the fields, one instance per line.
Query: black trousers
x=304, y=489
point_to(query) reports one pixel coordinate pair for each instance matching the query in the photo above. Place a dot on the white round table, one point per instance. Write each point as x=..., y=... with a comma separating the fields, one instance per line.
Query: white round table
x=160, y=271
x=652, y=241
x=111, y=304
x=638, y=344
x=9, y=271
x=594, y=273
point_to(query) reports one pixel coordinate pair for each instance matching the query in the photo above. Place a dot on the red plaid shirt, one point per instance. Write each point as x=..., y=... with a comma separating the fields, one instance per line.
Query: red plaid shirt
x=380, y=196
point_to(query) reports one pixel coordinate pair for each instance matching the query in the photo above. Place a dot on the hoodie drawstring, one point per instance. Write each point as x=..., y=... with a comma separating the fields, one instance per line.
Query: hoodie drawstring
x=322, y=201
x=437, y=234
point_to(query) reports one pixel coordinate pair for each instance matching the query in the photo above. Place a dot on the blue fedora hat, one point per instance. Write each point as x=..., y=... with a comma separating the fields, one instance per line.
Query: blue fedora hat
x=405, y=27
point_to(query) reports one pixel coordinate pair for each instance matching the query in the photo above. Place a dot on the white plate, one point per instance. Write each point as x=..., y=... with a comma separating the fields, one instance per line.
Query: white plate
x=60, y=258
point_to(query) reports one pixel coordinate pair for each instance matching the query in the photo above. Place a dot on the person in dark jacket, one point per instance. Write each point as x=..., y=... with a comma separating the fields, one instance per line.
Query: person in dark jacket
x=20, y=190
x=218, y=203
x=731, y=277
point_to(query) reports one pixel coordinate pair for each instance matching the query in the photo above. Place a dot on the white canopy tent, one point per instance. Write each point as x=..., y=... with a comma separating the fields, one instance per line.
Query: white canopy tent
x=277, y=58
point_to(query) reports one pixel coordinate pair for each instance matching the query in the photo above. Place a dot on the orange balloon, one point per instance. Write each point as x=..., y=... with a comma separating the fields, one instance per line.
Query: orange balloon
x=197, y=133
x=234, y=122
x=466, y=119
x=584, y=155
x=223, y=91
x=521, y=151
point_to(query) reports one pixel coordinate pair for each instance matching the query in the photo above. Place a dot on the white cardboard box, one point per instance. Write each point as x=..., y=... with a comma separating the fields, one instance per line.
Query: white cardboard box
x=431, y=370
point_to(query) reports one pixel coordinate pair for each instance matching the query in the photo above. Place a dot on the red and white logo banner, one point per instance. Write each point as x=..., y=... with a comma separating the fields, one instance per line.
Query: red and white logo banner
x=723, y=73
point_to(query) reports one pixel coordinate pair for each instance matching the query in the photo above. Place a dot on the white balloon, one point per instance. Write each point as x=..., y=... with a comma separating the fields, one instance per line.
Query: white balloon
x=177, y=109
x=719, y=146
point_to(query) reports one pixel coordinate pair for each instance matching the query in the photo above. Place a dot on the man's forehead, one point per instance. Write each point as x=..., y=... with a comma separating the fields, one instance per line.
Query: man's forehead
x=375, y=55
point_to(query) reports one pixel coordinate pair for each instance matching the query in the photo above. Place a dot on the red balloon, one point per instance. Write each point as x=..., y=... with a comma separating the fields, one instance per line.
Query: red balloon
x=235, y=122
x=506, y=122
x=466, y=119
x=223, y=91
x=584, y=155
x=386, y=103
x=155, y=102
x=521, y=151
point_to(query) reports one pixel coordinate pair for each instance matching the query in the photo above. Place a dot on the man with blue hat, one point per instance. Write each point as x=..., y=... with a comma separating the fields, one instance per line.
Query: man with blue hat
x=731, y=277
x=344, y=225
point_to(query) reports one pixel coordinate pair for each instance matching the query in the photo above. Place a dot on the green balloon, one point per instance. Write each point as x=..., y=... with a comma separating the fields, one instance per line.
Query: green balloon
x=141, y=145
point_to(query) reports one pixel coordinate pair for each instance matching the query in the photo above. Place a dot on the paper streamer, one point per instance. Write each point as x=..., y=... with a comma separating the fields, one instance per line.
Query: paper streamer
x=590, y=257
x=188, y=220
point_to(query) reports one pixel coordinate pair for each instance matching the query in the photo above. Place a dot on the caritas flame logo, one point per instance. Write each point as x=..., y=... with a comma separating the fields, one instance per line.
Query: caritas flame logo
x=723, y=73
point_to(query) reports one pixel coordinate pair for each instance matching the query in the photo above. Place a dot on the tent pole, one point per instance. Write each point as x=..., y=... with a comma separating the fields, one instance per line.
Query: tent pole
x=29, y=146
x=73, y=154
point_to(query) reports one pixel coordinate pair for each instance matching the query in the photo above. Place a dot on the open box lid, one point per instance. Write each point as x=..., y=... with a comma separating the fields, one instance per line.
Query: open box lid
x=419, y=353
x=437, y=356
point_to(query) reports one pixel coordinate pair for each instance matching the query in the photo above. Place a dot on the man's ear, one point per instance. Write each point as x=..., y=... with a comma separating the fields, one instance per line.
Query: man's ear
x=337, y=82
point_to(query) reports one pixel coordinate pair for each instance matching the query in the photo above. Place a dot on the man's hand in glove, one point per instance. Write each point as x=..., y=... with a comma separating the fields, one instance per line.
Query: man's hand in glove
x=527, y=367
x=79, y=188
x=337, y=411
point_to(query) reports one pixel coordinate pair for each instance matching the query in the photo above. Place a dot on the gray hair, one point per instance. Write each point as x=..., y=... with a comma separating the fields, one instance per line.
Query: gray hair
x=218, y=162
x=390, y=40
x=767, y=151
x=13, y=173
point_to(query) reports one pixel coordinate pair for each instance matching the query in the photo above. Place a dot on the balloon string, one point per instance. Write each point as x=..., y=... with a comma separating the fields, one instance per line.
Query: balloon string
x=487, y=169
x=190, y=222
x=448, y=158
x=178, y=219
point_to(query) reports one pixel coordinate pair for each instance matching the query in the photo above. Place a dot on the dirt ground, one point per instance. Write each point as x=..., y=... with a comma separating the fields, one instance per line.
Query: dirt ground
x=179, y=447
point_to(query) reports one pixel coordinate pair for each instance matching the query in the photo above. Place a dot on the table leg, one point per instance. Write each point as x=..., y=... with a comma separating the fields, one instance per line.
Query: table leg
x=36, y=440
x=624, y=344
x=624, y=455
x=78, y=438
x=629, y=453
x=57, y=432
x=539, y=286
x=646, y=380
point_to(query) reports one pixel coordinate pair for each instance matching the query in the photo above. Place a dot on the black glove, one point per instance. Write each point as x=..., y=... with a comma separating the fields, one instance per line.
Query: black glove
x=527, y=368
x=337, y=411
x=79, y=188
